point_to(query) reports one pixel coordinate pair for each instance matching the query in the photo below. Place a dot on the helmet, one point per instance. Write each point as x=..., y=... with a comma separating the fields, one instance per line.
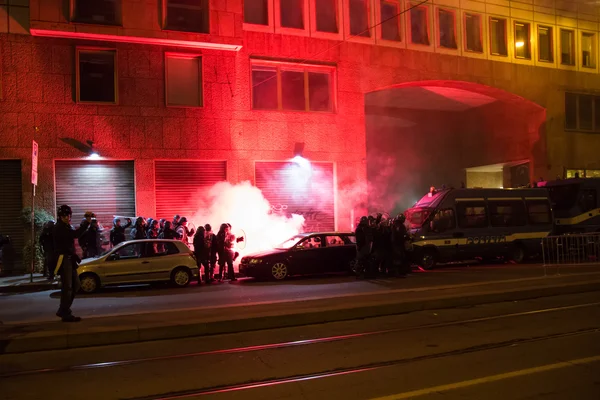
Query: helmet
x=401, y=218
x=208, y=227
x=176, y=217
x=182, y=220
x=364, y=220
x=64, y=210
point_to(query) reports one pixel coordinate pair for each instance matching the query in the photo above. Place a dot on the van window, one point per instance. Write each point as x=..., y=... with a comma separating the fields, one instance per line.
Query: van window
x=539, y=212
x=507, y=213
x=471, y=214
x=443, y=220
x=588, y=199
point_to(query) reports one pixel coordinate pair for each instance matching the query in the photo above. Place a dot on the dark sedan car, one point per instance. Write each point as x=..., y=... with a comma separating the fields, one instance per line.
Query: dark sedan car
x=306, y=253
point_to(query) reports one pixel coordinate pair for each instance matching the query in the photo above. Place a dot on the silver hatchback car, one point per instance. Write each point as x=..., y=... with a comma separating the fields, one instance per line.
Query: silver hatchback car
x=139, y=261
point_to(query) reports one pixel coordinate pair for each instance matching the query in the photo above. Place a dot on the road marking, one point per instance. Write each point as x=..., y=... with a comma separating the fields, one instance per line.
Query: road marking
x=489, y=379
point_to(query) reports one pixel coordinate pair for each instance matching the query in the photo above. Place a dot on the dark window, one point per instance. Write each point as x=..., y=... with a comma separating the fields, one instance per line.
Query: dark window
x=294, y=86
x=256, y=12
x=128, y=251
x=327, y=16
x=447, y=29
x=471, y=214
x=419, y=30
x=332, y=241
x=184, y=81
x=312, y=242
x=522, y=40
x=105, y=12
x=545, y=43
x=498, y=36
x=564, y=197
x=570, y=111
x=319, y=91
x=292, y=90
x=264, y=88
x=359, y=18
x=97, y=76
x=539, y=212
x=586, y=112
x=291, y=13
x=187, y=15
x=567, y=47
x=507, y=213
x=443, y=220
x=588, y=200
x=588, y=50
x=473, y=40
x=390, y=21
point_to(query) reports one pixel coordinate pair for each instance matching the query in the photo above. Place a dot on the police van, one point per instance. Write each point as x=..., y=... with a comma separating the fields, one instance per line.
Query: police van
x=464, y=224
x=575, y=204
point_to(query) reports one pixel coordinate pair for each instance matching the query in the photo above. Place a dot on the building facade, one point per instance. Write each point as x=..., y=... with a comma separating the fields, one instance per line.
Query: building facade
x=383, y=97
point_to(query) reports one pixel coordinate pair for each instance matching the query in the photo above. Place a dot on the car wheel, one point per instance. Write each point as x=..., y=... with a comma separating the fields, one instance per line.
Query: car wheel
x=517, y=254
x=89, y=283
x=352, y=266
x=279, y=271
x=428, y=260
x=181, y=277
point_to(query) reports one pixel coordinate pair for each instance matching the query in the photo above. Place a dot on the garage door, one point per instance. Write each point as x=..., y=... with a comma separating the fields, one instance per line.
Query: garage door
x=105, y=187
x=181, y=184
x=11, y=193
x=305, y=189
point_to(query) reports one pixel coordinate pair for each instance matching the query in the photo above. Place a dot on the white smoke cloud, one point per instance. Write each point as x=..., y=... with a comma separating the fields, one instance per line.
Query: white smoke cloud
x=249, y=212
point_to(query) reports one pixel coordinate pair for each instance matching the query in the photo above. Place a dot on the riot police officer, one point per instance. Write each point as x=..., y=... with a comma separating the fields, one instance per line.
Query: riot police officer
x=64, y=236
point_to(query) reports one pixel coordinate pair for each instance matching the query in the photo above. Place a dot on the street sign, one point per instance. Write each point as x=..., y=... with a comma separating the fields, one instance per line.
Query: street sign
x=34, y=163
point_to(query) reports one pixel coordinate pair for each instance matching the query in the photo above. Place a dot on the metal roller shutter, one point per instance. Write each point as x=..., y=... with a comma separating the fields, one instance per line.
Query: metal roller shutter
x=11, y=193
x=106, y=188
x=295, y=189
x=179, y=183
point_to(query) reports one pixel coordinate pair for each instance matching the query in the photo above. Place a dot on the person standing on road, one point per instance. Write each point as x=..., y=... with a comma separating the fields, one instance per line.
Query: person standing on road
x=92, y=239
x=399, y=236
x=64, y=245
x=168, y=232
x=183, y=231
x=229, y=252
x=117, y=233
x=47, y=246
x=364, y=242
x=210, y=242
x=220, y=243
x=202, y=254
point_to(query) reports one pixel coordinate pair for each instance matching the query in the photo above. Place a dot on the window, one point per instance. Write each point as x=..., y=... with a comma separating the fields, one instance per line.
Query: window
x=582, y=112
x=256, y=12
x=498, y=36
x=447, y=29
x=507, y=213
x=359, y=18
x=96, y=76
x=567, y=47
x=588, y=200
x=291, y=14
x=294, y=88
x=313, y=242
x=539, y=212
x=327, y=16
x=443, y=220
x=473, y=36
x=105, y=12
x=332, y=241
x=183, y=80
x=187, y=15
x=545, y=44
x=390, y=20
x=471, y=214
x=419, y=30
x=522, y=40
x=583, y=173
x=588, y=50
x=128, y=251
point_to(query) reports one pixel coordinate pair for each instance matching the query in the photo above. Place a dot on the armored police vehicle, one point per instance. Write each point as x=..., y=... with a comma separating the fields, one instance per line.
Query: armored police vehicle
x=465, y=224
x=575, y=204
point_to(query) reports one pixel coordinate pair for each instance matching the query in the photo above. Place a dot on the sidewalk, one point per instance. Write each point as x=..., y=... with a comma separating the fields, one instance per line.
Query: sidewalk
x=22, y=284
x=219, y=320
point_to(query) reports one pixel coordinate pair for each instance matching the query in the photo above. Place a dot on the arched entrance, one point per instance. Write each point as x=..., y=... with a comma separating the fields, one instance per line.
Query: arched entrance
x=453, y=133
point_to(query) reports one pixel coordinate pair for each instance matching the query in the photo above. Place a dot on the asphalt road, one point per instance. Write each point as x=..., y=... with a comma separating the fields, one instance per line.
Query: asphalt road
x=544, y=348
x=41, y=306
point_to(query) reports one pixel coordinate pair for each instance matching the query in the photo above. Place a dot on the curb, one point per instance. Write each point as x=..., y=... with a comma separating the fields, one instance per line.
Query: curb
x=28, y=287
x=25, y=340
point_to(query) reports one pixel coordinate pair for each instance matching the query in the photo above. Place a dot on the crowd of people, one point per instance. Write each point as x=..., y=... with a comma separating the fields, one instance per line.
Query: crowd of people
x=381, y=247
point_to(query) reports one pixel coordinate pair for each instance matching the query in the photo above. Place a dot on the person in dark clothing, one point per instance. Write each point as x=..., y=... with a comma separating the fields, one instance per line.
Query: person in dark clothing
x=168, y=232
x=117, y=233
x=152, y=233
x=229, y=253
x=387, y=265
x=210, y=242
x=221, y=236
x=64, y=246
x=183, y=230
x=139, y=230
x=91, y=239
x=175, y=222
x=149, y=222
x=364, y=244
x=161, y=225
x=47, y=246
x=202, y=253
x=399, y=237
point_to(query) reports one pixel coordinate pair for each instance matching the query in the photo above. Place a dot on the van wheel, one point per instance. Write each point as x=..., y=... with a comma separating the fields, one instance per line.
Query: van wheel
x=428, y=260
x=517, y=254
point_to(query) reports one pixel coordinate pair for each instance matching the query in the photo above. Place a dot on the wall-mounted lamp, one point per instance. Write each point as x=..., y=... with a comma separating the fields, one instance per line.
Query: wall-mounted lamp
x=92, y=155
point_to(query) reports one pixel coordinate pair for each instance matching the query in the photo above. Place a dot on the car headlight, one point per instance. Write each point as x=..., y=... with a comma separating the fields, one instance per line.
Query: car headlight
x=256, y=261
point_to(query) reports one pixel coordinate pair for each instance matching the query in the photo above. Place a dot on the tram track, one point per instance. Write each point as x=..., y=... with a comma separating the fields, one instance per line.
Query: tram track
x=296, y=343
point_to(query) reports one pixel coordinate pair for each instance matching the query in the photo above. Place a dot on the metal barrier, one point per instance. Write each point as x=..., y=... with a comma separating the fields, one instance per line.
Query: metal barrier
x=571, y=249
